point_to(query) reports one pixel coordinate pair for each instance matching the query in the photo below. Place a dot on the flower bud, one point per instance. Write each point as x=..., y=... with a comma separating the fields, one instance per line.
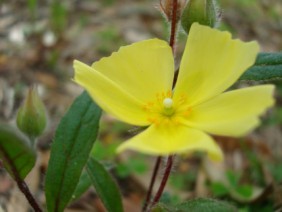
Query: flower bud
x=204, y=12
x=31, y=117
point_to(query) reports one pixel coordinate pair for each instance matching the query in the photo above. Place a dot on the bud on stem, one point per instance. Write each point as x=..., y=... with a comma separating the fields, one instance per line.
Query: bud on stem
x=204, y=12
x=31, y=117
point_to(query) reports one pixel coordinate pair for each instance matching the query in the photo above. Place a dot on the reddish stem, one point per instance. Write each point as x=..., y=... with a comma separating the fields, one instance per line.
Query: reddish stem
x=153, y=179
x=170, y=158
x=21, y=183
x=164, y=180
x=25, y=190
x=173, y=25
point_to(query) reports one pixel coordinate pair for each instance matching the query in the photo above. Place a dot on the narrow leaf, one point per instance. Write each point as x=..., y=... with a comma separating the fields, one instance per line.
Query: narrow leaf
x=82, y=186
x=263, y=73
x=105, y=186
x=205, y=204
x=85, y=181
x=16, y=154
x=268, y=66
x=72, y=144
x=269, y=58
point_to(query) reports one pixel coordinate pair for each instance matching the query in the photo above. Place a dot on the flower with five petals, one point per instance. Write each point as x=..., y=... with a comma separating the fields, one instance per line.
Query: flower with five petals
x=135, y=86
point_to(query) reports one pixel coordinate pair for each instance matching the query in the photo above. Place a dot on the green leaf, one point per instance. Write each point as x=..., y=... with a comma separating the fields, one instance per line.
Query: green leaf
x=263, y=73
x=276, y=171
x=233, y=178
x=161, y=207
x=105, y=186
x=196, y=205
x=205, y=204
x=269, y=58
x=85, y=181
x=169, y=199
x=245, y=190
x=70, y=150
x=102, y=151
x=219, y=189
x=16, y=154
x=58, y=15
x=122, y=170
x=246, y=193
x=268, y=66
x=137, y=165
x=82, y=186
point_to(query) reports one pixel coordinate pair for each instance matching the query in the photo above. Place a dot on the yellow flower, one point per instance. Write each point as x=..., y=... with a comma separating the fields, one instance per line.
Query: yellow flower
x=135, y=85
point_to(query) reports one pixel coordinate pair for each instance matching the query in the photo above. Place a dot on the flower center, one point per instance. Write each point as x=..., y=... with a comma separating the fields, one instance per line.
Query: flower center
x=165, y=109
x=168, y=102
x=168, y=109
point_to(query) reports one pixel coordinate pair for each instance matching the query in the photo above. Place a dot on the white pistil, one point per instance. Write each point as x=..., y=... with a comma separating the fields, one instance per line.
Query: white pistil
x=167, y=103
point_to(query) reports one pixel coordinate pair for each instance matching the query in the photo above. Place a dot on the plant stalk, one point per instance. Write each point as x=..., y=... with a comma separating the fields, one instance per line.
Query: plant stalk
x=25, y=190
x=21, y=183
x=153, y=179
x=164, y=180
x=169, y=164
x=173, y=27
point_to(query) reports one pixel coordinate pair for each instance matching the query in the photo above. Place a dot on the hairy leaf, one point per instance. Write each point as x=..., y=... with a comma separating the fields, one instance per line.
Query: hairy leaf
x=196, y=205
x=205, y=204
x=269, y=58
x=268, y=66
x=161, y=207
x=70, y=150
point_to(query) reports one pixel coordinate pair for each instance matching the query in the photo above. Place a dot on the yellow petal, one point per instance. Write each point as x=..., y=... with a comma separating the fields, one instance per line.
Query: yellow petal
x=143, y=69
x=211, y=63
x=109, y=95
x=233, y=113
x=171, y=139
